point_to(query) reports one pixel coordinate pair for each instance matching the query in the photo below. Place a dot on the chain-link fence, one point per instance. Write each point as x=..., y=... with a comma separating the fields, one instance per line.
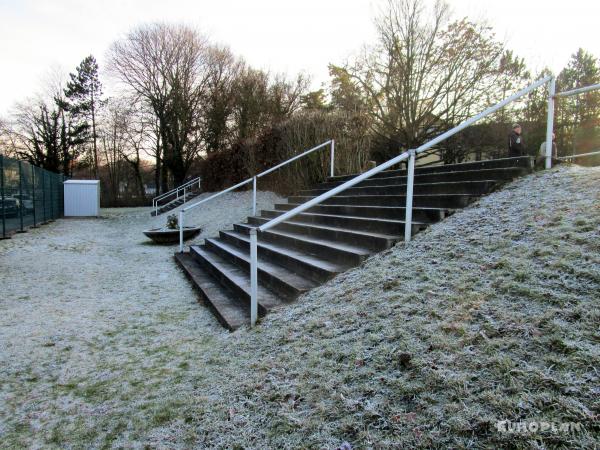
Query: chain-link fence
x=29, y=196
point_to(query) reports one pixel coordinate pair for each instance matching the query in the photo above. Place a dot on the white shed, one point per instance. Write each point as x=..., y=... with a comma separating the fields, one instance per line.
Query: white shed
x=82, y=198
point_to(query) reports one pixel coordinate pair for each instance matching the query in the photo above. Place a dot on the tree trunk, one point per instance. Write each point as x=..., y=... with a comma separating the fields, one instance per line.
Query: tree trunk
x=94, y=146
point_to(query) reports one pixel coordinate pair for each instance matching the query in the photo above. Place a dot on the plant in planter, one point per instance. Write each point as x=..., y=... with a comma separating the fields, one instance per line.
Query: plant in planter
x=172, y=222
x=170, y=234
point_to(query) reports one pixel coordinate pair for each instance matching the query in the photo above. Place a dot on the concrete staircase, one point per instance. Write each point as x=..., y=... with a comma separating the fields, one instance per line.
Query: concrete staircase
x=176, y=202
x=314, y=246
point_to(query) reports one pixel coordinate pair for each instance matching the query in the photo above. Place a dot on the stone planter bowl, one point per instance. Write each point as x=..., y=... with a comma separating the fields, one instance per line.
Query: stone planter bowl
x=169, y=236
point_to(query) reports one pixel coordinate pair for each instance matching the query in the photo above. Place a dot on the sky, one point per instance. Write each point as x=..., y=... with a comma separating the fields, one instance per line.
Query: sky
x=38, y=37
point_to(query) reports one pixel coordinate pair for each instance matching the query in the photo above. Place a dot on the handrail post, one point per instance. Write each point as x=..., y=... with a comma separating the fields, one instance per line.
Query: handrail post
x=409, y=196
x=181, y=231
x=332, y=157
x=550, y=122
x=21, y=194
x=184, y=192
x=253, y=276
x=254, y=196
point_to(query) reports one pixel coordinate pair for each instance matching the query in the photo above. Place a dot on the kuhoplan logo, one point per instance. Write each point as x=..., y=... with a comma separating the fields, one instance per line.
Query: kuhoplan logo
x=537, y=426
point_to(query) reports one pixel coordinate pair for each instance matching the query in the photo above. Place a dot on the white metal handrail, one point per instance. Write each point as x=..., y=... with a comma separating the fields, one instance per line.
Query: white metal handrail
x=175, y=191
x=254, y=179
x=410, y=154
x=580, y=155
x=577, y=91
x=581, y=90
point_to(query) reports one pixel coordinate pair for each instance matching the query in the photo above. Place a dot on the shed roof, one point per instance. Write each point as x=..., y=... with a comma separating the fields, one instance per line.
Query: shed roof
x=82, y=182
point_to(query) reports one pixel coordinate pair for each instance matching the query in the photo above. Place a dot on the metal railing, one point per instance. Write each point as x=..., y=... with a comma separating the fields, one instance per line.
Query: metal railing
x=29, y=196
x=569, y=93
x=410, y=155
x=254, y=181
x=175, y=193
x=581, y=90
x=580, y=155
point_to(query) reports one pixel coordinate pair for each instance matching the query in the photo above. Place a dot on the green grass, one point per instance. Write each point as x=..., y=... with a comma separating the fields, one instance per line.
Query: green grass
x=399, y=353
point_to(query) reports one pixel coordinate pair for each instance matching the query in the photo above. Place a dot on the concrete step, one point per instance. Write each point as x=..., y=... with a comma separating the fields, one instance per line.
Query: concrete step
x=459, y=187
x=420, y=214
x=329, y=238
x=502, y=173
x=285, y=282
x=235, y=279
x=447, y=201
x=377, y=225
x=226, y=307
x=370, y=240
x=326, y=249
x=525, y=162
x=312, y=266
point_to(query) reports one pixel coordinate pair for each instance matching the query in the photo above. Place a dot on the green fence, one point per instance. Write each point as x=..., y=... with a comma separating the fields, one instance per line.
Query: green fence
x=29, y=196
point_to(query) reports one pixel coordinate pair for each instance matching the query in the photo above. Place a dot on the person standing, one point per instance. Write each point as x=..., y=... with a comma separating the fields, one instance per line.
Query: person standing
x=516, y=146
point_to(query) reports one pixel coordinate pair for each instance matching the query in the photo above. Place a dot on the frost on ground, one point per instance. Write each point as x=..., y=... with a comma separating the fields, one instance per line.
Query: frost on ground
x=493, y=314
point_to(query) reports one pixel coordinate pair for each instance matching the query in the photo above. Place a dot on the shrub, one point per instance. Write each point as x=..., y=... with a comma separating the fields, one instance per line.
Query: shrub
x=283, y=141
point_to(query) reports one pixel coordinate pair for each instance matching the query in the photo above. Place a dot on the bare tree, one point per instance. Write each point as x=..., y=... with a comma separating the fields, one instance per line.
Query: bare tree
x=138, y=138
x=167, y=67
x=45, y=135
x=112, y=136
x=425, y=74
x=219, y=98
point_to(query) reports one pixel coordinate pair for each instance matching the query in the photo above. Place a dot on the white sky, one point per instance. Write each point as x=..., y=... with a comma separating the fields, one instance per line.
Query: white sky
x=279, y=35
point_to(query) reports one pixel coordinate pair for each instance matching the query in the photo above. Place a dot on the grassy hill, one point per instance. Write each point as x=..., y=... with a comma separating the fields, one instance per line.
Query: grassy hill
x=491, y=315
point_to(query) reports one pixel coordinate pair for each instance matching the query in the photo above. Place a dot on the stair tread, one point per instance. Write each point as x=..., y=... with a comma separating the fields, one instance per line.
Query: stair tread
x=449, y=172
x=362, y=251
x=387, y=186
x=229, y=310
x=296, y=254
x=276, y=270
x=323, y=227
x=455, y=172
x=236, y=275
x=388, y=195
x=335, y=205
x=445, y=167
x=370, y=219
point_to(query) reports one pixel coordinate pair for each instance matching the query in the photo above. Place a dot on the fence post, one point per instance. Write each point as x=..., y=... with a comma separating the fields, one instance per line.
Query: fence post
x=254, y=196
x=181, y=231
x=2, y=193
x=332, y=157
x=61, y=195
x=44, y=195
x=253, y=277
x=410, y=181
x=550, y=121
x=21, y=195
x=51, y=191
x=33, y=194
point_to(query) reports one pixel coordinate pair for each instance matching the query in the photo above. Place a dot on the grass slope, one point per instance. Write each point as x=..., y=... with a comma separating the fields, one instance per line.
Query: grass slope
x=493, y=314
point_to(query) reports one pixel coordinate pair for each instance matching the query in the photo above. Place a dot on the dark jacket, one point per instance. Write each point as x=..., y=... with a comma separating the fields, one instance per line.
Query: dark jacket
x=516, y=146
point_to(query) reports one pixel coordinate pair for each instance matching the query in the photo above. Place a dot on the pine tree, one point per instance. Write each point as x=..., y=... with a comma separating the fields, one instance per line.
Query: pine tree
x=83, y=99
